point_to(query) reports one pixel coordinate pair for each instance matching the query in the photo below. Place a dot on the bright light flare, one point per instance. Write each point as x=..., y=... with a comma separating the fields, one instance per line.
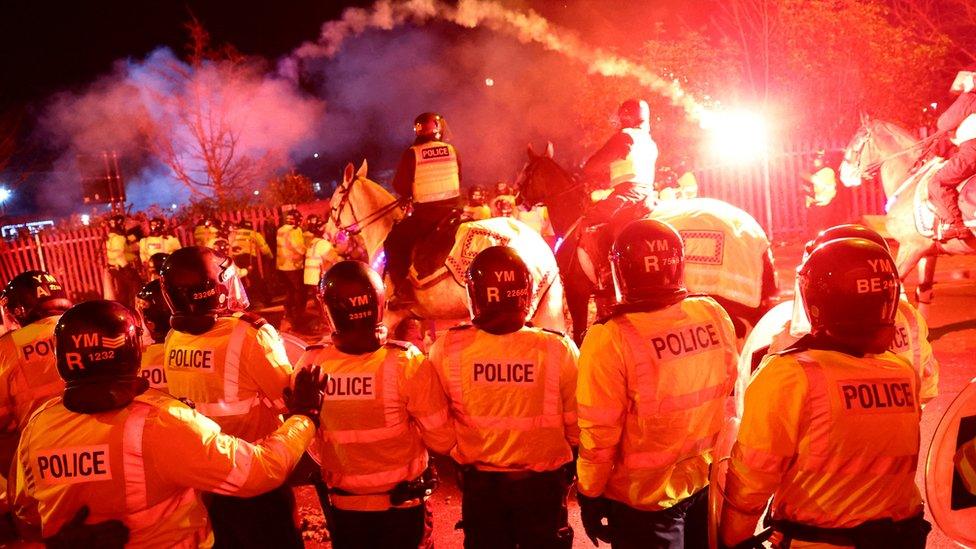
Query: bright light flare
x=489, y=82
x=85, y=219
x=737, y=136
x=5, y=194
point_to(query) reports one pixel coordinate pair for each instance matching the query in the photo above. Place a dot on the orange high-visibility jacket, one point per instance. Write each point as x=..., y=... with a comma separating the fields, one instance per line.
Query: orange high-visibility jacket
x=234, y=373
x=291, y=248
x=513, y=397
x=652, y=394
x=144, y=464
x=380, y=413
x=154, y=366
x=834, y=438
x=436, y=173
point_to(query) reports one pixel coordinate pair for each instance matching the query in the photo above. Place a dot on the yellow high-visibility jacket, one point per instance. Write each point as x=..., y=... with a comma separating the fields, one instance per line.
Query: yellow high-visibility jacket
x=146, y=465
x=291, y=248
x=513, y=397
x=652, y=396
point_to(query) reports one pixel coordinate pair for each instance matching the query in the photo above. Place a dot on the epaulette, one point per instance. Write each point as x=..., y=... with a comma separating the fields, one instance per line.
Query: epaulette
x=551, y=331
x=315, y=347
x=402, y=345
x=254, y=320
x=802, y=344
x=461, y=327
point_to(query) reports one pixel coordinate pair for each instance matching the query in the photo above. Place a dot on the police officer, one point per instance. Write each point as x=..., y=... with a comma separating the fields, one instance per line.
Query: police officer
x=477, y=207
x=156, y=262
x=654, y=378
x=831, y=425
x=233, y=366
x=382, y=408
x=310, y=229
x=155, y=313
x=511, y=389
x=960, y=118
x=319, y=257
x=291, y=259
x=627, y=162
x=121, y=266
x=784, y=324
x=28, y=376
x=205, y=232
x=157, y=242
x=136, y=455
x=429, y=174
x=249, y=249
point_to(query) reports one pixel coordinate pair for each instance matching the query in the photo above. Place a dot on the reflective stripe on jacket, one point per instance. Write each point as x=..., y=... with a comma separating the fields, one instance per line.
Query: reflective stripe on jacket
x=145, y=465
x=834, y=438
x=641, y=160
x=380, y=412
x=652, y=396
x=250, y=242
x=436, y=176
x=512, y=397
x=318, y=258
x=291, y=248
x=234, y=373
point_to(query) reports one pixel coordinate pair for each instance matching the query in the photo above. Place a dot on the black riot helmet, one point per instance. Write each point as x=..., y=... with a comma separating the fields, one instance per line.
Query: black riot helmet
x=354, y=298
x=634, y=113
x=315, y=224
x=98, y=356
x=151, y=304
x=429, y=125
x=847, y=230
x=850, y=291
x=648, y=264
x=246, y=224
x=499, y=290
x=196, y=284
x=292, y=217
x=33, y=295
x=156, y=262
x=157, y=226
x=116, y=224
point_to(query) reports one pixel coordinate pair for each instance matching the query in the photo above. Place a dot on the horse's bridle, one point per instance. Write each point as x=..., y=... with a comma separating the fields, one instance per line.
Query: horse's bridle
x=529, y=172
x=357, y=225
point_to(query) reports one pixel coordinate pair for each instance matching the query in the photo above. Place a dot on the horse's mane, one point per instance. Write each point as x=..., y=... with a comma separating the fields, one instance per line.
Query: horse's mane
x=898, y=133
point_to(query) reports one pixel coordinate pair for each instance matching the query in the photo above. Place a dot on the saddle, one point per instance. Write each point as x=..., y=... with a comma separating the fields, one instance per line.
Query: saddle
x=925, y=217
x=593, y=253
x=430, y=254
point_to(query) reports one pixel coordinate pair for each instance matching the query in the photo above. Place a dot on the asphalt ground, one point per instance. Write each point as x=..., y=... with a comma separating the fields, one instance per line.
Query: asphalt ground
x=952, y=325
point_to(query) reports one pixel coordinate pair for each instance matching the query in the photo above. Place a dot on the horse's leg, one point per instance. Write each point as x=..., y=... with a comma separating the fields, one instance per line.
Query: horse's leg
x=925, y=292
x=908, y=257
x=578, y=291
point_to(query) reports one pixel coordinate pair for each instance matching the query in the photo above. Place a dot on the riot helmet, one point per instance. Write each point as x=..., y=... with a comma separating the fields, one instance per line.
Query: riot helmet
x=315, y=225
x=246, y=224
x=429, y=125
x=99, y=355
x=850, y=291
x=221, y=246
x=477, y=195
x=500, y=290
x=33, y=295
x=293, y=217
x=196, y=283
x=157, y=226
x=647, y=261
x=634, y=113
x=354, y=299
x=116, y=224
x=156, y=262
x=151, y=304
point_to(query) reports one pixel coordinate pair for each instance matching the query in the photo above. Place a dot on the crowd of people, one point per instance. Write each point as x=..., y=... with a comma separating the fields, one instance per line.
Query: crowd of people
x=178, y=419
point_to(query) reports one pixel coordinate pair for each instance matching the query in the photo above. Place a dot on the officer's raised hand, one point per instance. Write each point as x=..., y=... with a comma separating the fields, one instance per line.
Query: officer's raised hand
x=306, y=396
x=593, y=511
x=75, y=533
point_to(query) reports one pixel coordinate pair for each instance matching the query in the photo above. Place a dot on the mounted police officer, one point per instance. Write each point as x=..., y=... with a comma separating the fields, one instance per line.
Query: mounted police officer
x=382, y=409
x=136, y=459
x=233, y=366
x=654, y=378
x=429, y=175
x=626, y=163
x=831, y=425
x=960, y=118
x=512, y=393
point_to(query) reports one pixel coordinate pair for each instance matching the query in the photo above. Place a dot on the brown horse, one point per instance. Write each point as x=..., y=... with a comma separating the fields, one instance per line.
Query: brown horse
x=892, y=152
x=727, y=253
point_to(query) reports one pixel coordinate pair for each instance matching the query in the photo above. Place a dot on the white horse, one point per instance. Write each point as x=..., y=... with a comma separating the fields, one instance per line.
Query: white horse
x=893, y=151
x=362, y=208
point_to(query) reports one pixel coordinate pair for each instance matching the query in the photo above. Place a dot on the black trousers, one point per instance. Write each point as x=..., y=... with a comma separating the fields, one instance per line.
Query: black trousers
x=683, y=526
x=294, y=294
x=499, y=511
x=126, y=284
x=400, y=242
x=261, y=521
x=408, y=528
x=942, y=187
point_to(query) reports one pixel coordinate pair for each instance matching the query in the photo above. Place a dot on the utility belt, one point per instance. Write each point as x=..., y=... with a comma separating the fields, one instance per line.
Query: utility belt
x=566, y=473
x=909, y=533
x=406, y=494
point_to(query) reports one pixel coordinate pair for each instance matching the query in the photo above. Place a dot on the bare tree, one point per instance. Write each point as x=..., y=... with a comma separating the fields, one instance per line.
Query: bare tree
x=940, y=20
x=199, y=137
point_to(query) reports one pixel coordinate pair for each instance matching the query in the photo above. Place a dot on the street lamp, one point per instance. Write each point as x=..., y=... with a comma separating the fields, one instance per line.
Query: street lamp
x=5, y=195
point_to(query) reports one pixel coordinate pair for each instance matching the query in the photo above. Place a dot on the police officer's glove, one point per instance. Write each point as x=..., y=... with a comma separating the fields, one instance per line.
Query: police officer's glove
x=306, y=396
x=593, y=512
x=107, y=534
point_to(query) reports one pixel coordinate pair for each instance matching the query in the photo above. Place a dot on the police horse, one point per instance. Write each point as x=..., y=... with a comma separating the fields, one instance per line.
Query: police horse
x=727, y=254
x=890, y=152
x=362, y=209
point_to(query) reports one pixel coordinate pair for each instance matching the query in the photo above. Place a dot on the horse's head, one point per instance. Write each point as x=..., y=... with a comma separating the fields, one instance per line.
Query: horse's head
x=875, y=145
x=540, y=177
x=362, y=207
x=859, y=156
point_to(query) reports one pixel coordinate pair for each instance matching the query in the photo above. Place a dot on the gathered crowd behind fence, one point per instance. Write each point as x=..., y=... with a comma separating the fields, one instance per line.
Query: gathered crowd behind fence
x=77, y=257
